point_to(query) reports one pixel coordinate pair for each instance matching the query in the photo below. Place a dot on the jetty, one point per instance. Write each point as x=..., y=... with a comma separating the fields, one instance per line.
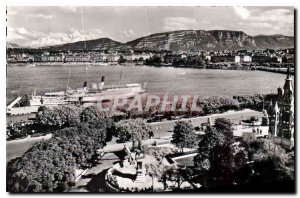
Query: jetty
x=11, y=110
x=14, y=102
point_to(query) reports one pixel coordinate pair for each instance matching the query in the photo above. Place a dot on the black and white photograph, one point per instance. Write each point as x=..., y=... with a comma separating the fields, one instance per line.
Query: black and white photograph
x=150, y=99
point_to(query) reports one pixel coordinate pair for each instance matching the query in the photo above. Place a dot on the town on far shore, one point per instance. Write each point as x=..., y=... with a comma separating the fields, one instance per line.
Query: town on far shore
x=275, y=60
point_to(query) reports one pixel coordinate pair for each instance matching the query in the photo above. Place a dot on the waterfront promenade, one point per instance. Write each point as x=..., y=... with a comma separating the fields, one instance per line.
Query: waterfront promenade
x=165, y=128
x=161, y=130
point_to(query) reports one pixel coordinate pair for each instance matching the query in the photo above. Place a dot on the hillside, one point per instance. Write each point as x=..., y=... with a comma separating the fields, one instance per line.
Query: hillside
x=185, y=40
x=274, y=41
x=209, y=40
x=96, y=44
x=12, y=45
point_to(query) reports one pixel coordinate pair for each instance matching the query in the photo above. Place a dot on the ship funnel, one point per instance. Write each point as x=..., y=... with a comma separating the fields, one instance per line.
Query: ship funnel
x=85, y=86
x=101, y=85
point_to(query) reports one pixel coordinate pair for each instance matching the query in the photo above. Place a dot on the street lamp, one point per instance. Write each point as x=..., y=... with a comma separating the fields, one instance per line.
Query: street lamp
x=158, y=128
x=152, y=183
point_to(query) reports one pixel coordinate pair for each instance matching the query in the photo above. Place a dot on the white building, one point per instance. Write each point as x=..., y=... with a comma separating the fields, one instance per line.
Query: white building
x=247, y=59
x=237, y=59
x=208, y=57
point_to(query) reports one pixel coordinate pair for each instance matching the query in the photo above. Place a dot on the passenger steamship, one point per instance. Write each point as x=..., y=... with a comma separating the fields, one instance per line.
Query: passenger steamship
x=87, y=95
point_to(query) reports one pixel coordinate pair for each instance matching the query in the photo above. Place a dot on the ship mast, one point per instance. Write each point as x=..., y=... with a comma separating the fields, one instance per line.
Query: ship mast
x=120, y=77
x=82, y=22
x=69, y=79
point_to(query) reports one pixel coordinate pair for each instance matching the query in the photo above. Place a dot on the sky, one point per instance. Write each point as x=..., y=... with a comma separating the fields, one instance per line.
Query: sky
x=44, y=26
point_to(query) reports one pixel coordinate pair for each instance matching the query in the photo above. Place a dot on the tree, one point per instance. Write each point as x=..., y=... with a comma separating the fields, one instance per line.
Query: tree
x=215, y=154
x=159, y=152
x=121, y=60
x=49, y=166
x=45, y=117
x=270, y=169
x=58, y=117
x=154, y=60
x=224, y=126
x=253, y=102
x=141, y=59
x=135, y=130
x=214, y=104
x=87, y=138
x=241, y=168
x=223, y=162
x=92, y=113
x=72, y=115
x=270, y=161
x=44, y=168
x=106, y=124
x=184, y=135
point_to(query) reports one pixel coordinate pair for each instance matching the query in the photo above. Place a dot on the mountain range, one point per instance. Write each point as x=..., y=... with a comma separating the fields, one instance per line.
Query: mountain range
x=186, y=40
x=12, y=45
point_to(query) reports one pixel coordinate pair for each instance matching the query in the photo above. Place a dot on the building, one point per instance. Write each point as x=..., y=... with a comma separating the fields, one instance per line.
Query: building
x=261, y=59
x=142, y=56
x=208, y=57
x=246, y=59
x=112, y=58
x=45, y=58
x=37, y=58
x=281, y=116
x=170, y=58
x=288, y=60
x=237, y=59
x=217, y=59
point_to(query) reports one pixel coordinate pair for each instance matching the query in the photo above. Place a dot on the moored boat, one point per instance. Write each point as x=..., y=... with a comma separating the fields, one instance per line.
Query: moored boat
x=87, y=94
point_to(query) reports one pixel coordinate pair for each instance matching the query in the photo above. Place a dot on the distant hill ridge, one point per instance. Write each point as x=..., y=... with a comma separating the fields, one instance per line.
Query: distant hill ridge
x=186, y=40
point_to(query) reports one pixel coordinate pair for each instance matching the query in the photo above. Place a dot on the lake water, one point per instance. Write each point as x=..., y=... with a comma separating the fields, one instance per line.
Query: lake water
x=169, y=80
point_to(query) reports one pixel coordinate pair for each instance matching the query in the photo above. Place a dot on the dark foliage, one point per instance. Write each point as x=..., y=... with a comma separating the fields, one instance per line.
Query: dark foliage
x=49, y=166
x=184, y=135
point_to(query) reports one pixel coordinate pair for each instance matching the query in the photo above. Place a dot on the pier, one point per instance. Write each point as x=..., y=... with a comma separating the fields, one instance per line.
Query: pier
x=11, y=110
x=15, y=101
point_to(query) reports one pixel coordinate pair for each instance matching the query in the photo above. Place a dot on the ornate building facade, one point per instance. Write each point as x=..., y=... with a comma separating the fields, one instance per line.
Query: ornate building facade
x=281, y=115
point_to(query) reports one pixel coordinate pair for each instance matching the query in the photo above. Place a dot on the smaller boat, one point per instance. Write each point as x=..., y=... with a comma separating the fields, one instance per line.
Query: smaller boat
x=100, y=64
x=31, y=65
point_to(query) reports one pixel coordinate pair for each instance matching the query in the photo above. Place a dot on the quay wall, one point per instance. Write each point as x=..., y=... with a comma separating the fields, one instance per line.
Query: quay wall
x=22, y=110
x=275, y=70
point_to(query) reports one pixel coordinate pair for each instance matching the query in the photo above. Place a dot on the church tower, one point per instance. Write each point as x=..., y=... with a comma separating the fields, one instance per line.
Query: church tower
x=286, y=119
x=285, y=108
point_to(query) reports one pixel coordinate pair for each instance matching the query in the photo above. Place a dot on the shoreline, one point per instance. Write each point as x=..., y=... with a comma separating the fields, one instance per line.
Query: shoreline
x=276, y=70
x=213, y=66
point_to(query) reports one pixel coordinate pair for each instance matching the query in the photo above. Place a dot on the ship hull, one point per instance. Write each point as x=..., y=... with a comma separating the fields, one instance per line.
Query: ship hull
x=109, y=97
x=62, y=98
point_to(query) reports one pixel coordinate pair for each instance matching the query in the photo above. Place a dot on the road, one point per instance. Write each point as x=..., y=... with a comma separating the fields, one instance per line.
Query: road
x=165, y=129
x=16, y=148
